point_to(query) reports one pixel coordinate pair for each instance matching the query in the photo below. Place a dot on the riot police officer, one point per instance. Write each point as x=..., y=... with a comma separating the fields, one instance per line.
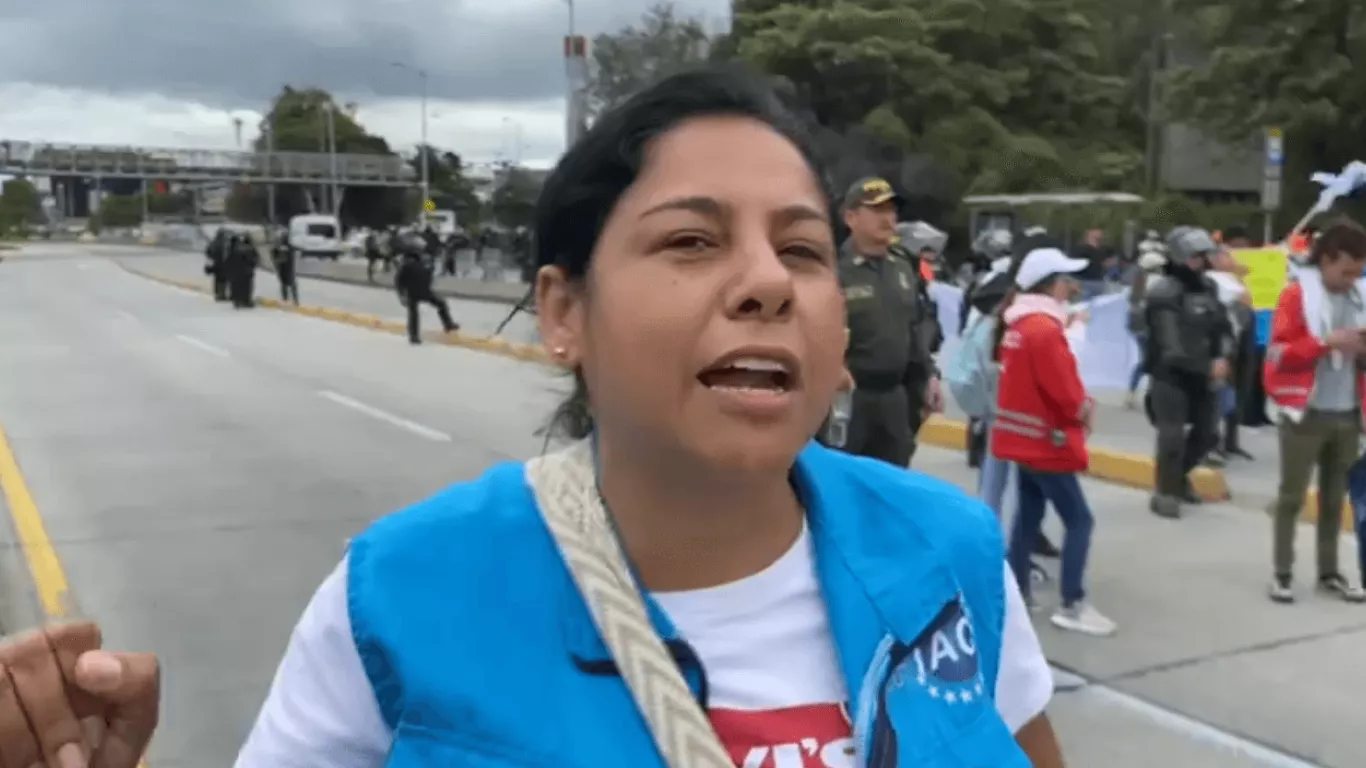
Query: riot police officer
x=242, y=261
x=283, y=258
x=414, y=284
x=892, y=329
x=1189, y=341
x=216, y=255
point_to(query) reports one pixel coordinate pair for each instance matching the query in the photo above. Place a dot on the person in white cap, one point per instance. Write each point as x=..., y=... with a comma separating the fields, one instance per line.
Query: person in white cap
x=1043, y=416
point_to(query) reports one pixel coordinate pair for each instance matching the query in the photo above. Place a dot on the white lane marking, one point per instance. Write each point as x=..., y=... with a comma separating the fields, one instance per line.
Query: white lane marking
x=1183, y=725
x=385, y=416
x=84, y=266
x=203, y=345
x=126, y=315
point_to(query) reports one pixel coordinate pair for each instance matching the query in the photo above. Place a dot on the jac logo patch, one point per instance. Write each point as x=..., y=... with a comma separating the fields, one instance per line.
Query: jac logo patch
x=944, y=660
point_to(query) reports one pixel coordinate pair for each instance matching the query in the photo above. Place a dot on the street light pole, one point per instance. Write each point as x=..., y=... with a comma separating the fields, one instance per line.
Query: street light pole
x=332, y=140
x=423, y=149
x=426, y=170
x=270, y=167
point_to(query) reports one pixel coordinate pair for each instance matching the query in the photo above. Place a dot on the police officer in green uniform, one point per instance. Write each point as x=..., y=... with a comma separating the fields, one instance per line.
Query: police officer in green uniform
x=891, y=329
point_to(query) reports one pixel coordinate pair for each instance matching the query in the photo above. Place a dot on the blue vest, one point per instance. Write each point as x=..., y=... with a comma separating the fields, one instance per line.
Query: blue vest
x=482, y=654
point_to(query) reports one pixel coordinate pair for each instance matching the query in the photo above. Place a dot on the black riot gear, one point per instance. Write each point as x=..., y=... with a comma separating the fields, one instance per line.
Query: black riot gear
x=1188, y=330
x=414, y=284
x=216, y=255
x=282, y=256
x=241, y=262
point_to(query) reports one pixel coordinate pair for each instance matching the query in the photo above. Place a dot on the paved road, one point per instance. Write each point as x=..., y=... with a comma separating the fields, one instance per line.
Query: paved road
x=200, y=469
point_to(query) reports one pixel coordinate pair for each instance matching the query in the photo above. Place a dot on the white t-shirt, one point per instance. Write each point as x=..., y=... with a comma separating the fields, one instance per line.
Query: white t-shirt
x=749, y=635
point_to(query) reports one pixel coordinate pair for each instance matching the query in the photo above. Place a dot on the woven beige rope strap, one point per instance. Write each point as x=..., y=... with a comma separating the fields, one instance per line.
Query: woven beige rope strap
x=566, y=492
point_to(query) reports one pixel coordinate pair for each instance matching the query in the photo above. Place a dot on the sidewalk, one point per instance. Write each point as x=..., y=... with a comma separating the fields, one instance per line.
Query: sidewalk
x=1198, y=635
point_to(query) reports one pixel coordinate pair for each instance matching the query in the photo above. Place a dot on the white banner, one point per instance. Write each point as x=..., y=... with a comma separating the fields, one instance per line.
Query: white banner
x=1106, y=351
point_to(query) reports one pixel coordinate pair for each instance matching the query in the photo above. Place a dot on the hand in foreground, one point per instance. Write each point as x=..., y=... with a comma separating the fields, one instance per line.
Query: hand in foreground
x=64, y=703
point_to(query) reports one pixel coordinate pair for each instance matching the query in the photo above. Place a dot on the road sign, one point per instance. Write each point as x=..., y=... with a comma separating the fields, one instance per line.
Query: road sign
x=429, y=206
x=1273, y=159
x=1275, y=147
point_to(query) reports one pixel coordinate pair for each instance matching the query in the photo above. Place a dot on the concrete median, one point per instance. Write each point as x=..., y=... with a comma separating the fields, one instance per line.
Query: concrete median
x=525, y=352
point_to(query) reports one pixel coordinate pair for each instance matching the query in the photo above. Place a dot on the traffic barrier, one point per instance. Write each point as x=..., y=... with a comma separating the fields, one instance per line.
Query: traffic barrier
x=1119, y=467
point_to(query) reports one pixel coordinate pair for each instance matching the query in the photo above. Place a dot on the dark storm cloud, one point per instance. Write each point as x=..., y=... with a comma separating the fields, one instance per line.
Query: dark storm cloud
x=236, y=55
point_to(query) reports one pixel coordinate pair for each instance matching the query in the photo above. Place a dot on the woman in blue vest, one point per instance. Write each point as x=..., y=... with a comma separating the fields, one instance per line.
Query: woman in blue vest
x=810, y=608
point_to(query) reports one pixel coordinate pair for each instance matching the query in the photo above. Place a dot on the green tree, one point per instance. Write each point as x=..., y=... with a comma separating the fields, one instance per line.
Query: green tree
x=450, y=188
x=1265, y=63
x=21, y=207
x=661, y=43
x=298, y=122
x=117, y=211
x=1004, y=95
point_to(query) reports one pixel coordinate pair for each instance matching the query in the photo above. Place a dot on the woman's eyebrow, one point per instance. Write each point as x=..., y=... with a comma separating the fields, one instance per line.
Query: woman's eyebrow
x=701, y=204
x=793, y=214
x=715, y=209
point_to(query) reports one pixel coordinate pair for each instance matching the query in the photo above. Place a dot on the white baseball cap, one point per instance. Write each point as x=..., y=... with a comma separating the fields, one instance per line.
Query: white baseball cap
x=1042, y=263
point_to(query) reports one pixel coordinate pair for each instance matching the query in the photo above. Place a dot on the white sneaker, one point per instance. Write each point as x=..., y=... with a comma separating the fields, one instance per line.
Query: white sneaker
x=1084, y=618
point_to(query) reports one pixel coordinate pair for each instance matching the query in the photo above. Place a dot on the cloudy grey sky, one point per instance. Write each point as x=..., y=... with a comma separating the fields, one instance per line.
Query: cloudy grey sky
x=175, y=72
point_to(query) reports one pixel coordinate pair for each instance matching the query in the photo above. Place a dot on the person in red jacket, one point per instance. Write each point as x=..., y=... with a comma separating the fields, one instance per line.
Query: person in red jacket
x=1042, y=417
x=1313, y=376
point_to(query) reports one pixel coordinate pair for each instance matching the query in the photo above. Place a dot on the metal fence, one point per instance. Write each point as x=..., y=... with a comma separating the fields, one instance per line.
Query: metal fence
x=39, y=159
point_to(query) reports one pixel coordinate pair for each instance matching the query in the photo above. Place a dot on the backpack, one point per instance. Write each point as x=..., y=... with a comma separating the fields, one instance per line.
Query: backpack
x=971, y=373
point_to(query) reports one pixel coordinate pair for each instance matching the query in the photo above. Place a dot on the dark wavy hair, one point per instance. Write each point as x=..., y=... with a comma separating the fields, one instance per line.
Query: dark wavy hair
x=580, y=193
x=1340, y=236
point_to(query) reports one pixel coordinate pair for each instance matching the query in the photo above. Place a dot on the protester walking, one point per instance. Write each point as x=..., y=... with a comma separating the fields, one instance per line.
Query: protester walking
x=1042, y=418
x=1313, y=375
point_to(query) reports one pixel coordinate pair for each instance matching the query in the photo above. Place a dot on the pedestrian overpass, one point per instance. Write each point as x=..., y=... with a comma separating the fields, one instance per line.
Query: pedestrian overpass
x=98, y=162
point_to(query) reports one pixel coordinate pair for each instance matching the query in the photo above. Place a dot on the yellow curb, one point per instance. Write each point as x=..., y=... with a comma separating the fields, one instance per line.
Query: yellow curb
x=1131, y=469
x=1310, y=512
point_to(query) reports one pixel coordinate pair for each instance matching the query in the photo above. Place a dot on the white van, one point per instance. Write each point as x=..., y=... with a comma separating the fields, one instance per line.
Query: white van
x=316, y=235
x=442, y=222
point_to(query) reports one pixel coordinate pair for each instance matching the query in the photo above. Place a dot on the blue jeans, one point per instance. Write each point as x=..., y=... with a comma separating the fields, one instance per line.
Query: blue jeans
x=1036, y=490
x=1356, y=494
x=992, y=482
x=1136, y=375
